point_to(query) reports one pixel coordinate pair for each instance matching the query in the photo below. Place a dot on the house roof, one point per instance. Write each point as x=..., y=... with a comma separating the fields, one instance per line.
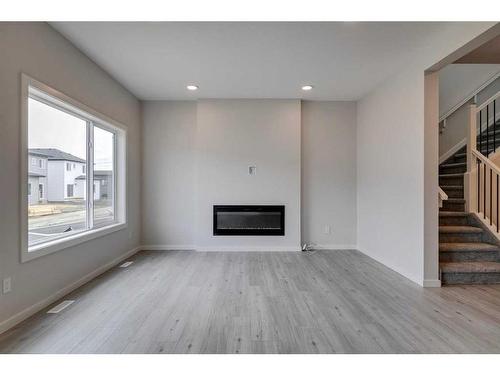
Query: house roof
x=34, y=174
x=98, y=175
x=55, y=154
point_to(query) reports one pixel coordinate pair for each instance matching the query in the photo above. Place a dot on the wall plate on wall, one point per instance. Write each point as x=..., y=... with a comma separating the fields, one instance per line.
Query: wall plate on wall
x=252, y=170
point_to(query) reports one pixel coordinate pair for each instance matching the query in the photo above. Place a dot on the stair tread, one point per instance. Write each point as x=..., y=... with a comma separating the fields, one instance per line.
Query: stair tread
x=469, y=267
x=467, y=246
x=453, y=214
x=451, y=175
x=459, y=229
x=452, y=165
x=451, y=187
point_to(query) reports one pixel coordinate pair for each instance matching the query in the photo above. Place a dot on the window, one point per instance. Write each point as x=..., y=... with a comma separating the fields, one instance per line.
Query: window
x=103, y=171
x=69, y=191
x=76, y=208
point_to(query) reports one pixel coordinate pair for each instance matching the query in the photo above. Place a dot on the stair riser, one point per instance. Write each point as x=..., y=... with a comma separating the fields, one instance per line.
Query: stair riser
x=460, y=237
x=454, y=193
x=470, y=278
x=448, y=170
x=457, y=181
x=460, y=159
x=453, y=220
x=491, y=137
x=453, y=206
x=468, y=256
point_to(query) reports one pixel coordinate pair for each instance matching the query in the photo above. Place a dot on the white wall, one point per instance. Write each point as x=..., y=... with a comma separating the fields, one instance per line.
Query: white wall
x=56, y=187
x=458, y=81
x=39, y=51
x=329, y=174
x=328, y=154
x=232, y=135
x=390, y=179
x=168, y=161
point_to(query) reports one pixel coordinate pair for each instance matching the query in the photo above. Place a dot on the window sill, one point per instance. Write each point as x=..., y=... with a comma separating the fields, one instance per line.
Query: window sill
x=38, y=251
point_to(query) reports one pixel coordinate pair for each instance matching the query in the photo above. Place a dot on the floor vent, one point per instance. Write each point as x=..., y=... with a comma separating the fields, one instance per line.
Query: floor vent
x=57, y=309
x=126, y=264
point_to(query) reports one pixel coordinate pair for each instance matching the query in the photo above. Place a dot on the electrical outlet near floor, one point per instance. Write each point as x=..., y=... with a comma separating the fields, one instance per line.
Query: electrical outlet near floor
x=7, y=285
x=327, y=229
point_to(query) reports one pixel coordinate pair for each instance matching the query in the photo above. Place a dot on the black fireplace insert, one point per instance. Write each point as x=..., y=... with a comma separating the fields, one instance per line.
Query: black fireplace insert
x=249, y=220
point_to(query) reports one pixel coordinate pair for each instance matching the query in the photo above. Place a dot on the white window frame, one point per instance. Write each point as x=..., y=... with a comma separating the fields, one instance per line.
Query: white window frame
x=31, y=87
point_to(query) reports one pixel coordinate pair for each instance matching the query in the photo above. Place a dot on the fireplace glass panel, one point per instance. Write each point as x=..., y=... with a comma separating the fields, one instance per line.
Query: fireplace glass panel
x=249, y=220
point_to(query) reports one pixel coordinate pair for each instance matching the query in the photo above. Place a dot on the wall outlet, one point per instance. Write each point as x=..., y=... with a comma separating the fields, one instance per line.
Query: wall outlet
x=327, y=229
x=7, y=285
x=252, y=170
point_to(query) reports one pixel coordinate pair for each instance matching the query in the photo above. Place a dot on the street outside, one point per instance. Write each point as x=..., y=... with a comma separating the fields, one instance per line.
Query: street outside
x=69, y=219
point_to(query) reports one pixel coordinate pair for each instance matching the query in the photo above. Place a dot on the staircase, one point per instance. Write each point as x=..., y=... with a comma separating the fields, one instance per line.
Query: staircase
x=468, y=252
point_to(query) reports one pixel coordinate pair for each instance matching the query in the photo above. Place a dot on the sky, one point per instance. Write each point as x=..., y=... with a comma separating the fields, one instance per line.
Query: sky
x=51, y=128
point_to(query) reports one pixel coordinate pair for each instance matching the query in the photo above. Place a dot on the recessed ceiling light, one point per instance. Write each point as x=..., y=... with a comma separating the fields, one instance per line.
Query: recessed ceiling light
x=307, y=87
x=192, y=87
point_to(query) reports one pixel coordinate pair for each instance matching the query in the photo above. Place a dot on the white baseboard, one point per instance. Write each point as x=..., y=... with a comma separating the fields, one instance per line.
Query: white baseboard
x=248, y=248
x=33, y=309
x=167, y=247
x=429, y=283
x=448, y=154
x=219, y=248
x=335, y=247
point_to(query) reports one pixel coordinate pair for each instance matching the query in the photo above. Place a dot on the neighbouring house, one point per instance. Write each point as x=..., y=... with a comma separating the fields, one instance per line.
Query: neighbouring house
x=37, y=178
x=103, y=185
x=57, y=176
x=61, y=172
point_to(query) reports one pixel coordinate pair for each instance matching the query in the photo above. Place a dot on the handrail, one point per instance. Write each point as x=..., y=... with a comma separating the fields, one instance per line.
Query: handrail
x=469, y=97
x=486, y=161
x=488, y=102
x=442, y=195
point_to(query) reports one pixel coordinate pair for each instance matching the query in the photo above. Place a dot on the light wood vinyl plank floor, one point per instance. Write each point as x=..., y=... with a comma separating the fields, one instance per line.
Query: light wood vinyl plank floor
x=318, y=302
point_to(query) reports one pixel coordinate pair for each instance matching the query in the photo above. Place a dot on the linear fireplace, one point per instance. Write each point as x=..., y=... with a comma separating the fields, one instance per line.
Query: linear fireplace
x=249, y=220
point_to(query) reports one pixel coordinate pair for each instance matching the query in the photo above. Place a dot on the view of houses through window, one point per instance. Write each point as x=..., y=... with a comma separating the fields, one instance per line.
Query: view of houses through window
x=58, y=146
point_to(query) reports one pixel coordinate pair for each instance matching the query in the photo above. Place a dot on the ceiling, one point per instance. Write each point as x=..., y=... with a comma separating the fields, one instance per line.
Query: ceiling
x=488, y=53
x=342, y=60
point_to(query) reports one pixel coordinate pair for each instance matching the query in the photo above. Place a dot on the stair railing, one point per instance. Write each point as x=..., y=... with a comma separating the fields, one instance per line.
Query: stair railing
x=471, y=96
x=481, y=182
x=442, y=196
